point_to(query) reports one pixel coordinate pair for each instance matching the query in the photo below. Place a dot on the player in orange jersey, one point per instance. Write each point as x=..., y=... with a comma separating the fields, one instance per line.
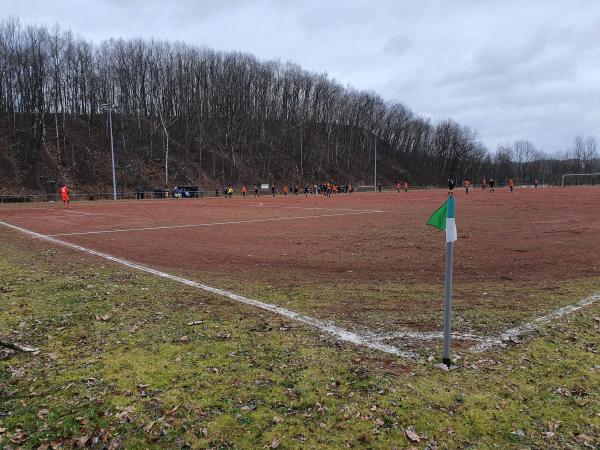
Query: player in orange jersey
x=244, y=191
x=467, y=184
x=64, y=193
x=511, y=184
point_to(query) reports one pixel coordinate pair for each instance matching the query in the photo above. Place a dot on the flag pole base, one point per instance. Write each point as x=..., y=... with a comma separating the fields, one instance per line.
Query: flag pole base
x=446, y=364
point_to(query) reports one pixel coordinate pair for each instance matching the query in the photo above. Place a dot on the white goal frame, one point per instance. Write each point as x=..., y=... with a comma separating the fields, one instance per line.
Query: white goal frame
x=578, y=175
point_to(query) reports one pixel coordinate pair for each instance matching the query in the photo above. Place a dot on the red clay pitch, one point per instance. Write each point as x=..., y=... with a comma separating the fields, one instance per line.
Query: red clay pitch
x=531, y=234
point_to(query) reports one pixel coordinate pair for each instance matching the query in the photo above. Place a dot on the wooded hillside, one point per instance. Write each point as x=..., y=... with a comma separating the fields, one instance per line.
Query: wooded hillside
x=187, y=114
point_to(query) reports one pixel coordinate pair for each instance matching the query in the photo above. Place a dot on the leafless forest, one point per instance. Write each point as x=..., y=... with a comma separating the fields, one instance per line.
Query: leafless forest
x=192, y=115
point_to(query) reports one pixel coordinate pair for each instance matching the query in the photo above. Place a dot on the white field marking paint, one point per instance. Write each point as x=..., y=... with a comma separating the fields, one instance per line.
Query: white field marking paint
x=34, y=217
x=168, y=227
x=324, y=209
x=23, y=209
x=57, y=216
x=321, y=325
x=86, y=213
x=262, y=205
x=425, y=336
x=529, y=327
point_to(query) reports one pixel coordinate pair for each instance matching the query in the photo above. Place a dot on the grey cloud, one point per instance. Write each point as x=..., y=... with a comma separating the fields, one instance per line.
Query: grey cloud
x=398, y=45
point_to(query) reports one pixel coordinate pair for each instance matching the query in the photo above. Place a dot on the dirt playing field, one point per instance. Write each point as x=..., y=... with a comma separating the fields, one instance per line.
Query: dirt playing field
x=365, y=260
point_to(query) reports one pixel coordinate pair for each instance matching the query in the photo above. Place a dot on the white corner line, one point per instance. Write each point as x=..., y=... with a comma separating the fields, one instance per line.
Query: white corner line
x=322, y=325
x=196, y=225
x=529, y=327
x=425, y=336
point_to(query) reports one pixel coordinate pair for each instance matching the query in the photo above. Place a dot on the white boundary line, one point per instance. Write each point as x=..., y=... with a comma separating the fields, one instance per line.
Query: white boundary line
x=58, y=214
x=81, y=212
x=325, y=209
x=530, y=327
x=168, y=227
x=424, y=336
x=61, y=217
x=322, y=325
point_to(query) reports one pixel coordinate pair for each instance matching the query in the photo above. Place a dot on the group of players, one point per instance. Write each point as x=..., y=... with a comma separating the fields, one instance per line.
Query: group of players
x=326, y=189
x=485, y=183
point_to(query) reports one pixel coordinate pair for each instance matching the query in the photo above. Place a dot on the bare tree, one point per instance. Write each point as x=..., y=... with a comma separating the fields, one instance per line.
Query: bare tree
x=224, y=118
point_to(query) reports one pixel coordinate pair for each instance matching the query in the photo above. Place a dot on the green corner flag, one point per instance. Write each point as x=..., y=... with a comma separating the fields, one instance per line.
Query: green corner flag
x=438, y=218
x=443, y=219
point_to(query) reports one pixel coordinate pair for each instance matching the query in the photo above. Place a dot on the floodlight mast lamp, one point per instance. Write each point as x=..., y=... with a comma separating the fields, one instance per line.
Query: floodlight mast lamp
x=109, y=108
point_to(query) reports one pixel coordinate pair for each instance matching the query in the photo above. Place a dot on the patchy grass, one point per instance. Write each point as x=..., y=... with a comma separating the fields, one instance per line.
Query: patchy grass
x=119, y=366
x=478, y=307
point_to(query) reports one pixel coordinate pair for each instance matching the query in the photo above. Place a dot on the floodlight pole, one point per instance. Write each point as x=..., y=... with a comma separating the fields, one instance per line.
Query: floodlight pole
x=109, y=107
x=375, y=162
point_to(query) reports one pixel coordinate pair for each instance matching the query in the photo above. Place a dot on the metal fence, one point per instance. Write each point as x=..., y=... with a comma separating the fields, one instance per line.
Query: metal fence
x=95, y=196
x=30, y=198
x=160, y=194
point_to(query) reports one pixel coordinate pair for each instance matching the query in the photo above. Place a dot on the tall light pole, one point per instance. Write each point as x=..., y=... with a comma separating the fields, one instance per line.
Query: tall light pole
x=109, y=107
x=375, y=161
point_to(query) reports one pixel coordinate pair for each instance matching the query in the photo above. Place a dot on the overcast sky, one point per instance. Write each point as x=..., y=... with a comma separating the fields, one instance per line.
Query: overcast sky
x=523, y=69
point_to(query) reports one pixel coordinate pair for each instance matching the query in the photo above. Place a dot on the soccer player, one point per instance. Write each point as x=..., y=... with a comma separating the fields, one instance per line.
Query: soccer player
x=256, y=192
x=511, y=184
x=379, y=187
x=243, y=190
x=467, y=183
x=285, y=190
x=451, y=185
x=229, y=191
x=483, y=184
x=535, y=183
x=64, y=193
x=492, y=183
x=273, y=190
x=405, y=186
x=397, y=186
x=306, y=190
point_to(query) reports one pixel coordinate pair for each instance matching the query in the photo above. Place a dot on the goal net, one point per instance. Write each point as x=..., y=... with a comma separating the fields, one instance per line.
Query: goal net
x=581, y=179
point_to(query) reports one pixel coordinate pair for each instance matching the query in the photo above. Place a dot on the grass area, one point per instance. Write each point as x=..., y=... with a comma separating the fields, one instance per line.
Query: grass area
x=120, y=367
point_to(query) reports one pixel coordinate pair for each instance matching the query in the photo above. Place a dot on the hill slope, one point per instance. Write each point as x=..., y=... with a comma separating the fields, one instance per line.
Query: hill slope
x=217, y=118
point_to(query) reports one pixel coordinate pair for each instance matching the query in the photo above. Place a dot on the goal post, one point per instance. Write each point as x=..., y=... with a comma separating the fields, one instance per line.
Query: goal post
x=582, y=178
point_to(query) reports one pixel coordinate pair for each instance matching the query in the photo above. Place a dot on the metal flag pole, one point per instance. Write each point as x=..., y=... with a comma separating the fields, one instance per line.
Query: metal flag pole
x=448, y=295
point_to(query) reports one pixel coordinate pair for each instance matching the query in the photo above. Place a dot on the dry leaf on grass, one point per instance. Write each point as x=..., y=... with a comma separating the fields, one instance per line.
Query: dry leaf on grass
x=411, y=434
